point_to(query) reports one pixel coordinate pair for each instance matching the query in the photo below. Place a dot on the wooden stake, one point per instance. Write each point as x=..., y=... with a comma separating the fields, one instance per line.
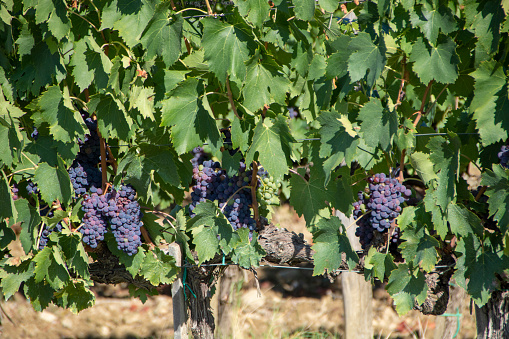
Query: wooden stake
x=177, y=294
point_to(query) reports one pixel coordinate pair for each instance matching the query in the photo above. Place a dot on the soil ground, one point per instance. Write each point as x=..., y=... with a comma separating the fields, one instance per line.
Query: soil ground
x=292, y=305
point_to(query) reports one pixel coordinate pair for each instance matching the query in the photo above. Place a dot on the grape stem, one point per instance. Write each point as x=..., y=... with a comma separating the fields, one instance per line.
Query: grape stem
x=419, y=112
x=146, y=237
x=254, y=180
x=230, y=96
x=103, y=161
x=402, y=166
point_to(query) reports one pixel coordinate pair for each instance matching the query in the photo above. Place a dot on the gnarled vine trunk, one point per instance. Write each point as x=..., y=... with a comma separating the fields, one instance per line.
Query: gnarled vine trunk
x=493, y=318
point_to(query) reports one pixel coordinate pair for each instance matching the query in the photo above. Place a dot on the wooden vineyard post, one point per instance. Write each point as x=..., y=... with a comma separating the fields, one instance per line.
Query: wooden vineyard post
x=447, y=325
x=357, y=294
x=178, y=298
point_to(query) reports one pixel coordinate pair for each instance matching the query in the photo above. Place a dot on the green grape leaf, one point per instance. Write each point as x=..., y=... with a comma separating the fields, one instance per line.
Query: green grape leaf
x=76, y=296
x=197, y=125
x=159, y=268
x=308, y=197
x=83, y=72
x=163, y=35
x=379, y=265
x=264, y=85
x=330, y=244
x=419, y=247
x=423, y=166
x=7, y=208
x=337, y=63
x=378, y=125
x=437, y=215
x=367, y=58
x=498, y=188
x=73, y=251
x=54, y=183
x=112, y=119
x=11, y=277
x=59, y=24
x=445, y=156
x=271, y=140
x=439, y=63
x=304, y=9
x=478, y=267
x=141, y=293
x=463, y=221
x=257, y=11
x=491, y=104
x=485, y=19
x=53, y=108
x=25, y=41
x=328, y=5
x=433, y=20
x=226, y=47
x=50, y=266
x=206, y=242
x=406, y=288
x=142, y=98
x=338, y=141
x=30, y=219
x=247, y=253
x=40, y=294
x=130, y=18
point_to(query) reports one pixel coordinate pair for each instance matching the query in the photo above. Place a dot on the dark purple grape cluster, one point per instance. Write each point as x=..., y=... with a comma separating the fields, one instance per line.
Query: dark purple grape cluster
x=121, y=210
x=83, y=179
x=378, y=206
x=94, y=222
x=125, y=220
x=503, y=155
x=199, y=156
x=212, y=183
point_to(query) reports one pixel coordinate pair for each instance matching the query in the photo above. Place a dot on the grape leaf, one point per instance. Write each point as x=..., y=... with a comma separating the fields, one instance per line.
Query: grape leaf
x=498, y=188
x=112, y=120
x=337, y=63
x=76, y=296
x=142, y=99
x=11, y=277
x=338, y=141
x=54, y=183
x=30, y=219
x=378, y=125
x=423, y=166
x=7, y=208
x=266, y=86
x=433, y=20
x=163, y=35
x=40, y=294
x=197, y=124
x=257, y=11
x=65, y=123
x=406, y=288
x=50, y=266
x=463, y=221
x=83, y=72
x=491, y=104
x=330, y=244
x=59, y=24
x=158, y=267
x=328, y=5
x=378, y=265
x=226, y=48
x=478, y=267
x=206, y=242
x=304, y=9
x=367, y=58
x=247, y=253
x=271, y=140
x=25, y=41
x=308, y=197
x=445, y=156
x=130, y=17
x=439, y=63
x=73, y=250
x=419, y=248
